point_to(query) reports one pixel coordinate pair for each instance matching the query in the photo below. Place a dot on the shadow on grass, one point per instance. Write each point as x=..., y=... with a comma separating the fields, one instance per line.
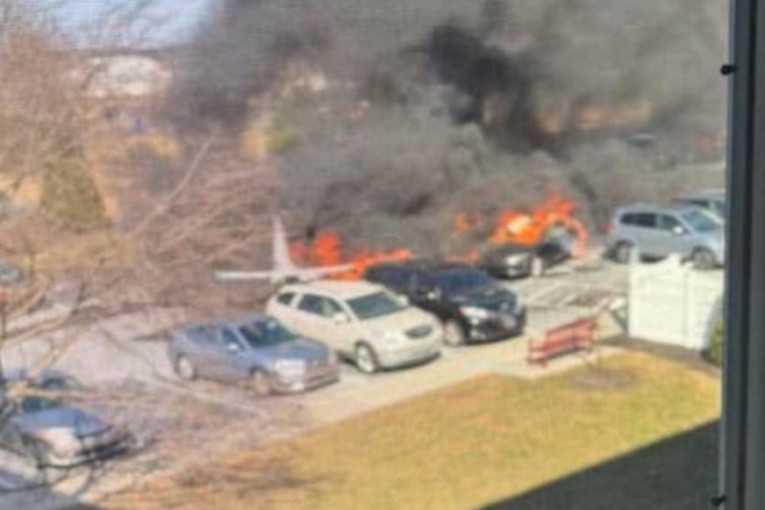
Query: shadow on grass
x=679, y=473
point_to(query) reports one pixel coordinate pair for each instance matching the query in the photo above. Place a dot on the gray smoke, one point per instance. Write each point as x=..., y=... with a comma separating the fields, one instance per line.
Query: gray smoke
x=431, y=71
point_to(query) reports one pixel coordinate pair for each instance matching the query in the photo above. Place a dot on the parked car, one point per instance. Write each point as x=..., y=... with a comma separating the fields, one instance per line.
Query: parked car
x=712, y=200
x=44, y=429
x=519, y=261
x=658, y=231
x=364, y=322
x=472, y=306
x=258, y=349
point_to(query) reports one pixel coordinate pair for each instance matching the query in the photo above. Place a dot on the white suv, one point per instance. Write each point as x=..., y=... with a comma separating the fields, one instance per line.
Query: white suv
x=364, y=322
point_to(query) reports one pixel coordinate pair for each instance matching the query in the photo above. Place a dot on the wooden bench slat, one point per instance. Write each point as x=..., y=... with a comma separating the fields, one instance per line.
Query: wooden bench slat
x=574, y=335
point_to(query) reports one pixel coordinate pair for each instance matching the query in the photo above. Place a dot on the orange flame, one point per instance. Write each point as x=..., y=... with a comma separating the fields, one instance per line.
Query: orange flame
x=528, y=228
x=511, y=226
x=326, y=250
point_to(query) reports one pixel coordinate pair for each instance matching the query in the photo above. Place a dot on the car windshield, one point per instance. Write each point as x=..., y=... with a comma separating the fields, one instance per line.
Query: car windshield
x=719, y=207
x=266, y=333
x=374, y=305
x=701, y=221
x=35, y=404
x=462, y=280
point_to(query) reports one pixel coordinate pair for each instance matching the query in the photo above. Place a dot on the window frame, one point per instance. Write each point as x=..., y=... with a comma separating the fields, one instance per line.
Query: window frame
x=742, y=442
x=678, y=223
x=335, y=302
x=202, y=334
x=223, y=342
x=641, y=214
x=303, y=298
x=290, y=295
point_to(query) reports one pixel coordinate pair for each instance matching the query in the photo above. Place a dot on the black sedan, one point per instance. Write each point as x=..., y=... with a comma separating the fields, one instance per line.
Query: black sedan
x=472, y=306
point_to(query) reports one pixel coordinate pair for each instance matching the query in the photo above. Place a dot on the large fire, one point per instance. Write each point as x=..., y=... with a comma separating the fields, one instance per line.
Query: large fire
x=326, y=250
x=528, y=227
x=511, y=226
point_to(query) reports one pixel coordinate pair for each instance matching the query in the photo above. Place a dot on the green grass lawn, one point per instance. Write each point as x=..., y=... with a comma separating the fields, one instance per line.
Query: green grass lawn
x=463, y=447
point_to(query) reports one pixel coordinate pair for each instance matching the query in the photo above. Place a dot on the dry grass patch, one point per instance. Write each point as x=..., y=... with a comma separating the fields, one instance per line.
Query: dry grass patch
x=461, y=447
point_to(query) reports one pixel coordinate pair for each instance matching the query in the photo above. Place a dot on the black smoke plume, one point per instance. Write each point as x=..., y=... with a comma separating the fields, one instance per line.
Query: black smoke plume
x=458, y=100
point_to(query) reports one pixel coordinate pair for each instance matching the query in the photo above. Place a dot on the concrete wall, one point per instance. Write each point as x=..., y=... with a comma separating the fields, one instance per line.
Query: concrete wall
x=672, y=303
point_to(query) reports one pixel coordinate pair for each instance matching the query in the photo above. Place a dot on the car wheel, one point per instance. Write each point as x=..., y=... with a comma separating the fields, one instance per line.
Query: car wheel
x=703, y=259
x=366, y=359
x=454, y=334
x=623, y=252
x=185, y=369
x=260, y=383
x=537, y=266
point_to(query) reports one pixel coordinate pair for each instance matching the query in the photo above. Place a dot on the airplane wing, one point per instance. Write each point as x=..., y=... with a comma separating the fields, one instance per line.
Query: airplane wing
x=236, y=276
x=314, y=272
x=299, y=273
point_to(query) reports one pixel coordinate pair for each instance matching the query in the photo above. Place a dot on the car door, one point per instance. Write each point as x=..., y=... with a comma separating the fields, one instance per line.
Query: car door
x=625, y=228
x=646, y=234
x=311, y=314
x=422, y=291
x=229, y=349
x=319, y=319
x=201, y=349
x=283, y=307
x=345, y=332
x=672, y=236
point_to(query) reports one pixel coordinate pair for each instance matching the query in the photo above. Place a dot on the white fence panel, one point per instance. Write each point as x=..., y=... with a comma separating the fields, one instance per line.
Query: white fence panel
x=672, y=303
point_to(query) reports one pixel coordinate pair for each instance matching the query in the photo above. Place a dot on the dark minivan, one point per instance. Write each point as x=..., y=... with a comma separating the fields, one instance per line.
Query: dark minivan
x=470, y=303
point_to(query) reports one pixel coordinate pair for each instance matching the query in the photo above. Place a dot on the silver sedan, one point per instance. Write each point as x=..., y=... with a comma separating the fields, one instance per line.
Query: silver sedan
x=258, y=350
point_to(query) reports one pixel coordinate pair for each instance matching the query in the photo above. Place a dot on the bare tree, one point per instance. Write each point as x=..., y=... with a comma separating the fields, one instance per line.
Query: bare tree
x=209, y=215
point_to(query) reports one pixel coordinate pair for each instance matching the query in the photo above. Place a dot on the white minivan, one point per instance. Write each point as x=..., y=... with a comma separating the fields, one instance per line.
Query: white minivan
x=364, y=322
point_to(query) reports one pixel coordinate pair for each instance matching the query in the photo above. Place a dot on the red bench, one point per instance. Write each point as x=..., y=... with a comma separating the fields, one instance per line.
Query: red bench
x=568, y=337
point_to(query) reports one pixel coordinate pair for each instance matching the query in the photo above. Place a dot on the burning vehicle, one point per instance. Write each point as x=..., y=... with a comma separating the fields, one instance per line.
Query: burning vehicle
x=519, y=261
x=519, y=243
x=527, y=243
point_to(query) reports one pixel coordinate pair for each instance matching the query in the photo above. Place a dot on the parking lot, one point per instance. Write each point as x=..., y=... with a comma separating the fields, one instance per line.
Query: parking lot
x=178, y=423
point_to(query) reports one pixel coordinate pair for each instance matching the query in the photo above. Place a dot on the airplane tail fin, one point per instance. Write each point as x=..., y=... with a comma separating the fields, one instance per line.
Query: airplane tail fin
x=281, y=251
x=284, y=269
